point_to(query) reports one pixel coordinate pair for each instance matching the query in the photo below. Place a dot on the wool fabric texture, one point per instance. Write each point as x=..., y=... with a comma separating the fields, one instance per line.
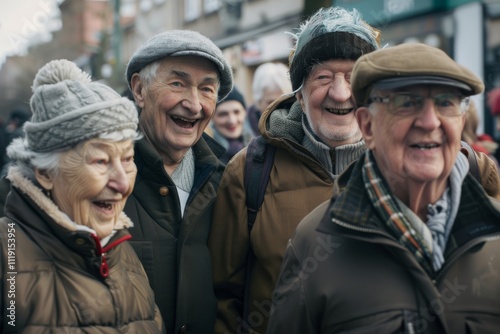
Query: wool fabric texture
x=410, y=64
x=332, y=33
x=234, y=95
x=175, y=43
x=68, y=108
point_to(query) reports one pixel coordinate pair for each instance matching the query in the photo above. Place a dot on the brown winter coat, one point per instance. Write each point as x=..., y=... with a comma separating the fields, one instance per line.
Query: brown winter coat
x=344, y=272
x=298, y=183
x=52, y=272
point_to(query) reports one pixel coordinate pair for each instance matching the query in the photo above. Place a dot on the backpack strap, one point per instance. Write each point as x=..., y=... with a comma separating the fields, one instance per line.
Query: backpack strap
x=259, y=161
x=471, y=156
x=258, y=164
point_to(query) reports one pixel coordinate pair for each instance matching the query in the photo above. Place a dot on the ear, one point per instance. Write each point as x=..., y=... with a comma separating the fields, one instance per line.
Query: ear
x=136, y=84
x=365, y=123
x=44, y=179
x=300, y=98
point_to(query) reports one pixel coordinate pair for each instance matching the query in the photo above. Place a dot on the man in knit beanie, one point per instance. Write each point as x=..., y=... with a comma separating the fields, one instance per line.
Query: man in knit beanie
x=176, y=78
x=229, y=127
x=315, y=135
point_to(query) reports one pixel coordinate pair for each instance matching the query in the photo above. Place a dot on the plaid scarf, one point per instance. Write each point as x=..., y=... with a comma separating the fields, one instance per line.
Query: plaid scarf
x=387, y=208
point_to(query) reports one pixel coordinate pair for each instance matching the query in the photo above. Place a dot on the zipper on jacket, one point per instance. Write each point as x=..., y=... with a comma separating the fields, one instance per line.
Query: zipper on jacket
x=101, y=252
x=459, y=253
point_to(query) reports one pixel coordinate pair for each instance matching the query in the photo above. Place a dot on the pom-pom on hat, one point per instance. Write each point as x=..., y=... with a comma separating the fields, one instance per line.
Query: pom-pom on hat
x=68, y=108
x=174, y=43
x=331, y=33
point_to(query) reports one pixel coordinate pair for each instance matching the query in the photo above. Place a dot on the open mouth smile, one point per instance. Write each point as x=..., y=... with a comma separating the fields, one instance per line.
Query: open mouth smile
x=183, y=122
x=339, y=111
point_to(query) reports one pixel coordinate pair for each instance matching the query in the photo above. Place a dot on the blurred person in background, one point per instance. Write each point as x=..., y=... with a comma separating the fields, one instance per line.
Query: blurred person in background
x=493, y=100
x=12, y=129
x=480, y=143
x=176, y=78
x=411, y=244
x=270, y=82
x=74, y=169
x=228, y=125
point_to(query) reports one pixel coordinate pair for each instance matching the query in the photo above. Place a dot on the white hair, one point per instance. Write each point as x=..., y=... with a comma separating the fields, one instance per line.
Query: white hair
x=270, y=76
x=49, y=161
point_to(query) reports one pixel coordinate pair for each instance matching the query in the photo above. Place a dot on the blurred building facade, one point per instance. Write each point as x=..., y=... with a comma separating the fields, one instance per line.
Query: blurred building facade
x=101, y=35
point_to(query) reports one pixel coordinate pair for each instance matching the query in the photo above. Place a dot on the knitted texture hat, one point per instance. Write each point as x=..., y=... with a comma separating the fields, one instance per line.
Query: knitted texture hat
x=176, y=43
x=332, y=33
x=410, y=64
x=234, y=95
x=68, y=108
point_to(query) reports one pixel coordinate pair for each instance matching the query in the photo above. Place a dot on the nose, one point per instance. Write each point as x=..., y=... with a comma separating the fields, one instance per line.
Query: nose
x=340, y=89
x=428, y=117
x=118, y=179
x=232, y=119
x=191, y=101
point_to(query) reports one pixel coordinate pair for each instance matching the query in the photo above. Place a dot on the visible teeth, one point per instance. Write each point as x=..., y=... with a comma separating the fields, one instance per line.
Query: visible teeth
x=105, y=205
x=426, y=146
x=183, y=119
x=339, y=111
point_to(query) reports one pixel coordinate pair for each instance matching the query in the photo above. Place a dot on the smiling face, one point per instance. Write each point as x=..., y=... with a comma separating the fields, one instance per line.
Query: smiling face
x=326, y=100
x=419, y=148
x=93, y=182
x=178, y=104
x=229, y=119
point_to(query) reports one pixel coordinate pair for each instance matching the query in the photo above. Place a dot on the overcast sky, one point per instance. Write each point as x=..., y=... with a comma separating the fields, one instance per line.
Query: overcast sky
x=26, y=22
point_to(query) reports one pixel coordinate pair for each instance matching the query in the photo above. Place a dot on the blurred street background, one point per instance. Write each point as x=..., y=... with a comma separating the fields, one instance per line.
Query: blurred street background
x=101, y=35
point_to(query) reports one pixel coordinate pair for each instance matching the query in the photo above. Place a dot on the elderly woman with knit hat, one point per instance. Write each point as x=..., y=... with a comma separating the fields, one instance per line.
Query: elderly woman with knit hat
x=228, y=124
x=66, y=262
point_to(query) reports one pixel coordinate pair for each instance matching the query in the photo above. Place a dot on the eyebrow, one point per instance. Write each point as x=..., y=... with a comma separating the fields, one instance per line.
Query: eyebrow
x=209, y=79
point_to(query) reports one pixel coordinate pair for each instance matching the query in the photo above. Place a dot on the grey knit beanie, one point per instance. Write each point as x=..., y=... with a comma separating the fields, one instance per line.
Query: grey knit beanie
x=181, y=43
x=331, y=33
x=68, y=108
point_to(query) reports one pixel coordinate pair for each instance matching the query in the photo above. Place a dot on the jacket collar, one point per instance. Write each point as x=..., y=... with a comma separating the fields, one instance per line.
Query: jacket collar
x=478, y=214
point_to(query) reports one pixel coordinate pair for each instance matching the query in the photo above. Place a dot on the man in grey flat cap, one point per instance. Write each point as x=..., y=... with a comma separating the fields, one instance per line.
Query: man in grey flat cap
x=176, y=78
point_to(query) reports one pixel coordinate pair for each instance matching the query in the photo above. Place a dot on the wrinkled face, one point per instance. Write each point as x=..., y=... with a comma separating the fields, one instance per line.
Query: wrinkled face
x=420, y=147
x=178, y=104
x=93, y=182
x=229, y=119
x=327, y=102
x=268, y=96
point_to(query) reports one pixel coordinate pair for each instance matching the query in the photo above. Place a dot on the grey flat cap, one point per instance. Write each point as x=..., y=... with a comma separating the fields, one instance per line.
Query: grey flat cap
x=175, y=43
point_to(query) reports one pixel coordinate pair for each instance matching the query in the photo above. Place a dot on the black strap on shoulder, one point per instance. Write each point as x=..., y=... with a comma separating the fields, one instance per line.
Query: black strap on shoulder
x=471, y=156
x=259, y=161
x=258, y=164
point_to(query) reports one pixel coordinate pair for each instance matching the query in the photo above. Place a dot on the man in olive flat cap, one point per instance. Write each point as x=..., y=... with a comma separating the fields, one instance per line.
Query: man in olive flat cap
x=410, y=244
x=176, y=78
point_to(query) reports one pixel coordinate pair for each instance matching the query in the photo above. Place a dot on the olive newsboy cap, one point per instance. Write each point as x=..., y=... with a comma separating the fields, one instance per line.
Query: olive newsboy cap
x=410, y=64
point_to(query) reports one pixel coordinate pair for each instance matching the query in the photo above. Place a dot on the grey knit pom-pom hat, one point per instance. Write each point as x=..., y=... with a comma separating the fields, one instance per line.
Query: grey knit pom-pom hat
x=68, y=108
x=175, y=43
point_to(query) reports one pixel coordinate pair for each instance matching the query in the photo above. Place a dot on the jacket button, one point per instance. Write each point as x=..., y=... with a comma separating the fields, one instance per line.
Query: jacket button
x=164, y=191
x=79, y=241
x=183, y=329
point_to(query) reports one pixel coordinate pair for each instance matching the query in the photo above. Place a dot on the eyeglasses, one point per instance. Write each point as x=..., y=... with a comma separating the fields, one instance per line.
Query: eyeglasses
x=407, y=104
